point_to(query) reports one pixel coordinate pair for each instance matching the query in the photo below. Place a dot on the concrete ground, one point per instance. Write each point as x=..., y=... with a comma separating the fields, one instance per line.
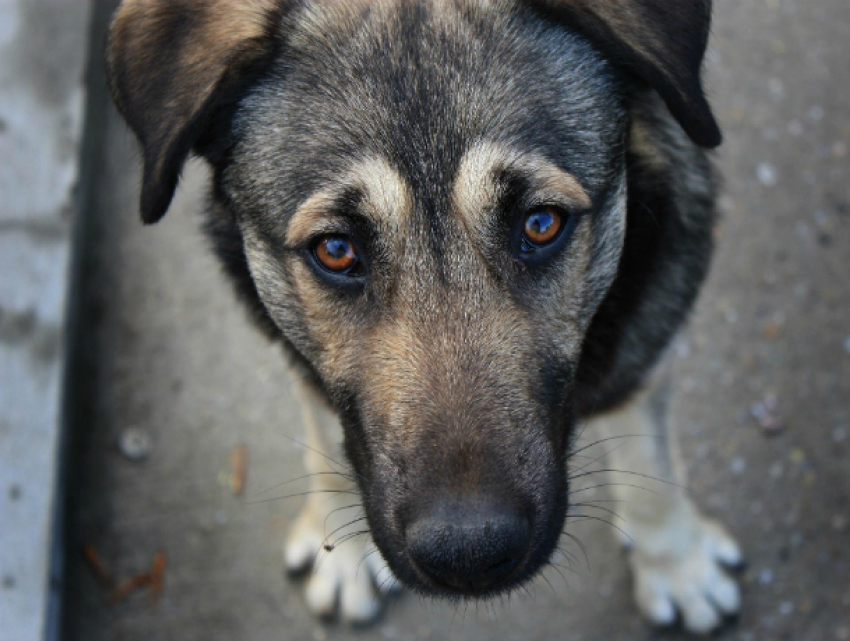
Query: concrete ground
x=43, y=53
x=764, y=376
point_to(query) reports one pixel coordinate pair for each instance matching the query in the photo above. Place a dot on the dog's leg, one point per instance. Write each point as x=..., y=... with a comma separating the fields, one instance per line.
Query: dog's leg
x=331, y=533
x=677, y=554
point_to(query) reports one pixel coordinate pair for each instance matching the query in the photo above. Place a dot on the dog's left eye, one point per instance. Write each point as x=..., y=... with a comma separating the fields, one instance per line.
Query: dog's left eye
x=541, y=227
x=337, y=254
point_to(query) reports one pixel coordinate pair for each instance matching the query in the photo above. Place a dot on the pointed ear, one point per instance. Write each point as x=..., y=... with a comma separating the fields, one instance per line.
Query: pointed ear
x=662, y=41
x=171, y=64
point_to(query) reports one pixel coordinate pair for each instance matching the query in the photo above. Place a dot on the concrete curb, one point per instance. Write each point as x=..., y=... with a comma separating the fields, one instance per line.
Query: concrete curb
x=44, y=47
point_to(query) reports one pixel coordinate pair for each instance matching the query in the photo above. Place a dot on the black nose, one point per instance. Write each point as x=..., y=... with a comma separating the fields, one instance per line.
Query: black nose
x=468, y=548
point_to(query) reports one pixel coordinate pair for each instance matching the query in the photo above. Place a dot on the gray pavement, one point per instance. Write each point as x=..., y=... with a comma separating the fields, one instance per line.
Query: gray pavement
x=166, y=349
x=43, y=53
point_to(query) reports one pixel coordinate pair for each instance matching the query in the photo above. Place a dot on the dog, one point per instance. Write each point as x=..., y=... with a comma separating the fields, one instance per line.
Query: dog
x=471, y=224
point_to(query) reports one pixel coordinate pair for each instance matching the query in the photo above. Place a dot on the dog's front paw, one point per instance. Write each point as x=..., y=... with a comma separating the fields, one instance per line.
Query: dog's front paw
x=690, y=579
x=346, y=567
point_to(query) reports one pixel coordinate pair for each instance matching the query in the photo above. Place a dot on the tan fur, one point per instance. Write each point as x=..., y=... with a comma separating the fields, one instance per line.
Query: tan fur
x=642, y=144
x=224, y=32
x=415, y=369
x=474, y=187
x=224, y=36
x=387, y=200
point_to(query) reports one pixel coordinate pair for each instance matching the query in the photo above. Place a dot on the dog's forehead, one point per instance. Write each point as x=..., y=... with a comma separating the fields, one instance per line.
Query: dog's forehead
x=417, y=91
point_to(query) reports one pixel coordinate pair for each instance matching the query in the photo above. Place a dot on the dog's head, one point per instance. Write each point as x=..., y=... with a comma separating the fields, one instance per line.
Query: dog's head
x=432, y=201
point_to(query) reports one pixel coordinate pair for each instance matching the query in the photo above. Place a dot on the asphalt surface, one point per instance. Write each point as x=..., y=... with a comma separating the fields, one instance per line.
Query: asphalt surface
x=764, y=384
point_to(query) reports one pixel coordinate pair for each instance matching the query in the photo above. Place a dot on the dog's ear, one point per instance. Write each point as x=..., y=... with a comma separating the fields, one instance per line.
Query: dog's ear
x=171, y=64
x=662, y=41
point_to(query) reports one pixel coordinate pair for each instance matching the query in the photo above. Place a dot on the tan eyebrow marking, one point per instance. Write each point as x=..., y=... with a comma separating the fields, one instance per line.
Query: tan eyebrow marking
x=475, y=185
x=308, y=217
x=387, y=200
x=556, y=179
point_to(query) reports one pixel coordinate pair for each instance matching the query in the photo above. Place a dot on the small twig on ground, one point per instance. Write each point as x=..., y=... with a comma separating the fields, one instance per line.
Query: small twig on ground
x=239, y=468
x=97, y=567
x=157, y=576
x=129, y=586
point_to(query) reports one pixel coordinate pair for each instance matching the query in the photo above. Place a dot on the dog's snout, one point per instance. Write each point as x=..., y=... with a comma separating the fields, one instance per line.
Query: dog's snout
x=470, y=549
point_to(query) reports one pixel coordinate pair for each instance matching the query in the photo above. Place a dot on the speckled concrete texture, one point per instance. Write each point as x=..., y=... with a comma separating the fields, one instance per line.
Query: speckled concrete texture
x=762, y=403
x=43, y=53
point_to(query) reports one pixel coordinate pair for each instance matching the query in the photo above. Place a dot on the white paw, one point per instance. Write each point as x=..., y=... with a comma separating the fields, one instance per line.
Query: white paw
x=346, y=567
x=692, y=581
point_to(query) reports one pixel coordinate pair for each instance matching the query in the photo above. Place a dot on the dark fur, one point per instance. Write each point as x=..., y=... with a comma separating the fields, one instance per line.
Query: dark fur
x=286, y=114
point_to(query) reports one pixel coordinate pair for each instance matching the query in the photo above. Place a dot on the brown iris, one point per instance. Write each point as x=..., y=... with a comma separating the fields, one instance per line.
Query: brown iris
x=336, y=254
x=542, y=226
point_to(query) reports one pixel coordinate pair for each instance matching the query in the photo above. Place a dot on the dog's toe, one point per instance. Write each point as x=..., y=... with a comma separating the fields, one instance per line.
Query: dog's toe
x=339, y=576
x=321, y=593
x=721, y=545
x=694, y=583
x=348, y=575
x=359, y=602
x=725, y=594
x=302, y=545
x=698, y=614
x=655, y=605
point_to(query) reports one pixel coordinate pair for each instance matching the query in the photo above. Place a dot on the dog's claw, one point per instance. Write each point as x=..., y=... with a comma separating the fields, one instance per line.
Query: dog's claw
x=694, y=584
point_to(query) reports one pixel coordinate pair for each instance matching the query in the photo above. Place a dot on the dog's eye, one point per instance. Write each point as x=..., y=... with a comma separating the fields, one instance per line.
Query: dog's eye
x=541, y=227
x=336, y=254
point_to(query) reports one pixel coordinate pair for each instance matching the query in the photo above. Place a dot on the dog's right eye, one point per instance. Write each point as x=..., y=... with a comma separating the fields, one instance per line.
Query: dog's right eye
x=336, y=253
x=540, y=228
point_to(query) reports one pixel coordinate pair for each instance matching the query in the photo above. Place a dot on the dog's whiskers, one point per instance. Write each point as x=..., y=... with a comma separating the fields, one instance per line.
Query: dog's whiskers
x=598, y=485
x=577, y=518
x=301, y=478
x=543, y=576
x=598, y=458
x=348, y=468
x=338, y=509
x=615, y=471
x=365, y=556
x=570, y=556
x=569, y=454
x=389, y=577
x=328, y=548
x=597, y=507
x=346, y=537
x=557, y=569
x=344, y=525
x=306, y=493
x=580, y=545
